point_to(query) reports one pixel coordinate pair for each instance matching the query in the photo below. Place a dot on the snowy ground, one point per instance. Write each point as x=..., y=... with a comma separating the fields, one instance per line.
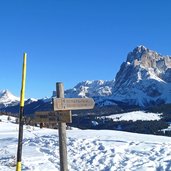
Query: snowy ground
x=88, y=150
x=134, y=116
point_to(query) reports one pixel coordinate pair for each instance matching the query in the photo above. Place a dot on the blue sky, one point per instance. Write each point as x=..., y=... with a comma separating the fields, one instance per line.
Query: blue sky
x=76, y=40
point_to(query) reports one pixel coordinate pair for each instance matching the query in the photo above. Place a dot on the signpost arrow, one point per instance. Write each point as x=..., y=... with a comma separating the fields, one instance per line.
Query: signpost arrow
x=72, y=103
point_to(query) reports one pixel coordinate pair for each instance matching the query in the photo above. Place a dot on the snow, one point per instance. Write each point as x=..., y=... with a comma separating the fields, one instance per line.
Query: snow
x=88, y=150
x=33, y=99
x=152, y=75
x=47, y=99
x=134, y=116
x=95, y=88
x=6, y=98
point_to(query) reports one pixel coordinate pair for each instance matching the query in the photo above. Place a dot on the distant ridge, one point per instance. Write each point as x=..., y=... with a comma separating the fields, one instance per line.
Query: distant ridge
x=144, y=79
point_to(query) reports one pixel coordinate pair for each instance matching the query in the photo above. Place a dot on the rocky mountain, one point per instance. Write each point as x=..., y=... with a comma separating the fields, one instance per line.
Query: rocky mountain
x=91, y=89
x=7, y=99
x=99, y=90
x=144, y=79
x=10, y=103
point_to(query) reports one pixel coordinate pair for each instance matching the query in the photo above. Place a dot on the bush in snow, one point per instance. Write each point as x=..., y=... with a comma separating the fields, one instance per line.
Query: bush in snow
x=8, y=118
x=16, y=120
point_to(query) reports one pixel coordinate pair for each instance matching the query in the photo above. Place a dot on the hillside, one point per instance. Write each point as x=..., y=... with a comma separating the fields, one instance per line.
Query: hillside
x=135, y=116
x=88, y=150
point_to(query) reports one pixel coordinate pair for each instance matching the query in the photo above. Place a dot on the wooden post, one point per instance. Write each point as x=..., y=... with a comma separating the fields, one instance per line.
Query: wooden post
x=62, y=133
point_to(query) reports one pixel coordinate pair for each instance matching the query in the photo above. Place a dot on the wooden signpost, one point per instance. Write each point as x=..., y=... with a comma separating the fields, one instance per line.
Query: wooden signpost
x=62, y=114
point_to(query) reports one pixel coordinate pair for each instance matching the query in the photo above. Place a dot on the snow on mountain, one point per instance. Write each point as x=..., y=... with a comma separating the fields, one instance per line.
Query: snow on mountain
x=88, y=150
x=91, y=89
x=135, y=116
x=47, y=99
x=144, y=78
x=99, y=90
x=7, y=98
x=30, y=100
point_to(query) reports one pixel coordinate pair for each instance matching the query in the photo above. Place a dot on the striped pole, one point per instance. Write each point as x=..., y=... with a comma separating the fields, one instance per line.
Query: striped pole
x=21, y=114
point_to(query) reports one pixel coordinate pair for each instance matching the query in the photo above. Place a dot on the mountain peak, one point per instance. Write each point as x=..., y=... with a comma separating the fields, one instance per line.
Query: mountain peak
x=137, y=53
x=143, y=77
x=5, y=93
x=140, y=49
x=146, y=58
x=6, y=97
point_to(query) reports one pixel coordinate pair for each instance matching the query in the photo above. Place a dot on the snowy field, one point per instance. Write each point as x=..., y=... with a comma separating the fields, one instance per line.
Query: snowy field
x=88, y=150
x=134, y=116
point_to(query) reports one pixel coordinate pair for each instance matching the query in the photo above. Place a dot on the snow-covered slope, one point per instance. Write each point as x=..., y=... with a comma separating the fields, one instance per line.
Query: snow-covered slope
x=135, y=116
x=7, y=98
x=88, y=150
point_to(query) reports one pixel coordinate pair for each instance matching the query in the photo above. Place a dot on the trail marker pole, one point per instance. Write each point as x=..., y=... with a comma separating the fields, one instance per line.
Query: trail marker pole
x=21, y=113
x=62, y=133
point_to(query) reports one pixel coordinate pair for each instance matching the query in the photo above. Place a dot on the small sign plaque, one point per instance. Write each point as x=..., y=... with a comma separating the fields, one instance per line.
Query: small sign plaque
x=72, y=103
x=53, y=117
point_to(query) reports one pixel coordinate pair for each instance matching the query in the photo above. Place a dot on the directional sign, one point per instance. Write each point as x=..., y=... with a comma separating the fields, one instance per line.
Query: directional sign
x=53, y=117
x=72, y=103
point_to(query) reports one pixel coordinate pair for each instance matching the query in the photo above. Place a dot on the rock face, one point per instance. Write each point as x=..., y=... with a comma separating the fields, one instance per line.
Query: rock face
x=91, y=89
x=99, y=90
x=144, y=78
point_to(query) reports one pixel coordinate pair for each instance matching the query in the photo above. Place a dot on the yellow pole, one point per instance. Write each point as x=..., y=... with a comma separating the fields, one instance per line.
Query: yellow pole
x=21, y=114
x=22, y=95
